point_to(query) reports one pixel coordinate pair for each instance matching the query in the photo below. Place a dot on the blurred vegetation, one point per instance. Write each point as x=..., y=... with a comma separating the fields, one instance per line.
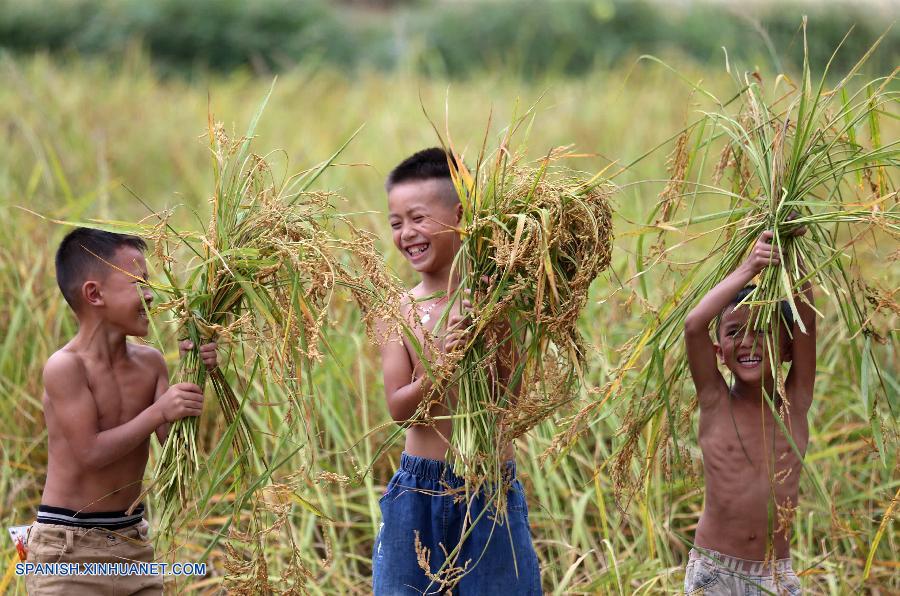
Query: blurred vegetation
x=529, y=38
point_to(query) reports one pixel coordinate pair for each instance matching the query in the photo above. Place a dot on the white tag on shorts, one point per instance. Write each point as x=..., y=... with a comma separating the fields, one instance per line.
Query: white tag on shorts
x=19, y=534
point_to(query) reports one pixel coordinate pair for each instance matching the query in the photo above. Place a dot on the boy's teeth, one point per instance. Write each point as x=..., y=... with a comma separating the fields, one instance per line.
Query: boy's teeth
x=417, y=250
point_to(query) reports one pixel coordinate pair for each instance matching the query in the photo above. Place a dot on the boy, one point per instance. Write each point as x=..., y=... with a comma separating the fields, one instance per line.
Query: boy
x=419, y=509
x=103, y=398
x=752, y=472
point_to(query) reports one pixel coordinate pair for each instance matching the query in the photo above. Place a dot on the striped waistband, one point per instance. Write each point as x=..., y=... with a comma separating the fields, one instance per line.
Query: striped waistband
x=745, y=566
x=110, y=520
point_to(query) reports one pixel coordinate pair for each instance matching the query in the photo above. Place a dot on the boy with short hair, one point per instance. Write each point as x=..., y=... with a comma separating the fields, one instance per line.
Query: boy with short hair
x=103, y=398
x=421, y=510
x=751, y=469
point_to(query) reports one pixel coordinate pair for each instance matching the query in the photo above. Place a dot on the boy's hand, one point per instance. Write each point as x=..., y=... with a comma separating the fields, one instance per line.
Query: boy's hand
x=180, y=401
x=458, y=328
x=799, y=230
x=763, y=254
x=207, y=353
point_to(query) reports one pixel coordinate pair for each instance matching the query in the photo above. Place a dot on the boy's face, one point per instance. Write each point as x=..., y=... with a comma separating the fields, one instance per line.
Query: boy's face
x=424, y=218
x=743, y=350
x=117, y=295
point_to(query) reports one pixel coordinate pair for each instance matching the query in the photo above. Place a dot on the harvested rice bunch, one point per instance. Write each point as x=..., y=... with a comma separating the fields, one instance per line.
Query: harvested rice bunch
x=534, y=237
x=264, y=272
x=805, y=155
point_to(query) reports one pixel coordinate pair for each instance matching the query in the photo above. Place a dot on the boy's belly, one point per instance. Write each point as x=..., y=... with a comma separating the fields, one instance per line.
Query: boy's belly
x=741, y=520
x=432, y=442
x=112, y=488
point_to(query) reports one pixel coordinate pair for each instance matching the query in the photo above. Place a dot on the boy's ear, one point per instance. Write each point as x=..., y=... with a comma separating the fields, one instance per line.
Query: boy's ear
x=718, y=351
x=91, y=293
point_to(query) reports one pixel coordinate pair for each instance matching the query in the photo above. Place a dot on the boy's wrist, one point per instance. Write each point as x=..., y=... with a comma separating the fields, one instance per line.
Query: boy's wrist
x=748, y=270
x=159, y=414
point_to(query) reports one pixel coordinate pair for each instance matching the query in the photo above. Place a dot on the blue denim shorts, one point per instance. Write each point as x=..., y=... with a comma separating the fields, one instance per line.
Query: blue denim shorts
x=497, y=556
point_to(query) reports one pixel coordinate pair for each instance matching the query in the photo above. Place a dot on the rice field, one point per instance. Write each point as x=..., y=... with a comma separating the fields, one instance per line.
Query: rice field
x=76, y=133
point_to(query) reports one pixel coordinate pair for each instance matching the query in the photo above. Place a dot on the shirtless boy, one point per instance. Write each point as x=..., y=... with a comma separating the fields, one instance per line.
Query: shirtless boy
x=103, y=398
x=752, y=471
x=424, y=213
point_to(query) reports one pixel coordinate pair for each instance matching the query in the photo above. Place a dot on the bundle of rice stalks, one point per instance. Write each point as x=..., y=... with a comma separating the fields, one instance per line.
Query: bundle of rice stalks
x=806, y=156
x=262, y=272
x=534, y=237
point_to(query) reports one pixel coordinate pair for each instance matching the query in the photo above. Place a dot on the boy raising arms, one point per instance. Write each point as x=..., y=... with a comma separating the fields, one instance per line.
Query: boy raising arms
x=103, y=398
x=421, y=506
x=752, y=472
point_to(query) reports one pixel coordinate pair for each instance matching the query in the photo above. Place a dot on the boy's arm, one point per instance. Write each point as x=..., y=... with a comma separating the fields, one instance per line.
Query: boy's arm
x=802, y=377
x=701, y=352
x=75, y=411
x=403, y=396
x=404, y=386
x=162, y=385
x=209, y=357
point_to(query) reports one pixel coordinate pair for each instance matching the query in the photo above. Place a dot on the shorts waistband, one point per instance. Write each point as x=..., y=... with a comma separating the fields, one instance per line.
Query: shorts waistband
x=745, y=566
x=433, y=469
x=110, y=520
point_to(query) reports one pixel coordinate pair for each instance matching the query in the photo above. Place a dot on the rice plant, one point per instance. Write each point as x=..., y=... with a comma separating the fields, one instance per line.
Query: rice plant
x=802, y=155
x=535, y=235
x=261, y=274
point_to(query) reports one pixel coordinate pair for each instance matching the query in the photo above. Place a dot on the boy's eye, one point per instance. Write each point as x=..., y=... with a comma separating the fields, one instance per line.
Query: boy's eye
x=395, y=224
x=418, y=218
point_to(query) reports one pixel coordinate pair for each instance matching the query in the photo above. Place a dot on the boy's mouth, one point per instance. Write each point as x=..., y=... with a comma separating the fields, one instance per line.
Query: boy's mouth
x=749, y=361
x=414, y=251
x=143, y=315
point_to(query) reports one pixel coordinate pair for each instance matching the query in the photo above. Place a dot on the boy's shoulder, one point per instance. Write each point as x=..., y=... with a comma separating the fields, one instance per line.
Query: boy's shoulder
x=417, y=292
x=712, y=396
x=68, y=365
x=147, y=355
x=407, y=299
x=64, y=364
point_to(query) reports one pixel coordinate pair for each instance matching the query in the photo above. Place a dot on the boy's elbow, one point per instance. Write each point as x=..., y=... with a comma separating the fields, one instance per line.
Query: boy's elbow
x=399, y=414
x=692, y=326
x=399, y=410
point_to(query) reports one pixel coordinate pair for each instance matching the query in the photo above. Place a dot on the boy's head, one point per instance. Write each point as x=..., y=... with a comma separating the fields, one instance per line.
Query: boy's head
x=742, y=349
x=105, y=273
x=424, y=210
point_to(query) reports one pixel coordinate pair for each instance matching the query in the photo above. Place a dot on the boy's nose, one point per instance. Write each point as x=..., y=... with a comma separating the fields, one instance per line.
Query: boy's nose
x=751, y=338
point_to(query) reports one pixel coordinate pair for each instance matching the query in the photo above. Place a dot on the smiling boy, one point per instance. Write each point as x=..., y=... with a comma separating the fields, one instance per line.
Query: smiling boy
x=103, y=398
x=751, y=469
x=422, y=505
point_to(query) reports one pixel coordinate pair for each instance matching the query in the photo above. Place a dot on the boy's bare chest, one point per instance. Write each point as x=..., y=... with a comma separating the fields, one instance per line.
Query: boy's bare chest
x=121, y=392
x=752, y=439
x=427, y=325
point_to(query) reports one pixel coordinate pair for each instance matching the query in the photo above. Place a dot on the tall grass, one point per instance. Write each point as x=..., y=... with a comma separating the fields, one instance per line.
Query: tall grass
x=75, y=131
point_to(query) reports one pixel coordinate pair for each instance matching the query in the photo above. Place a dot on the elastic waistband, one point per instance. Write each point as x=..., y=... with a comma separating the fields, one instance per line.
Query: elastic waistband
x=433, y=469
x=110, y=520
x=744, y=566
